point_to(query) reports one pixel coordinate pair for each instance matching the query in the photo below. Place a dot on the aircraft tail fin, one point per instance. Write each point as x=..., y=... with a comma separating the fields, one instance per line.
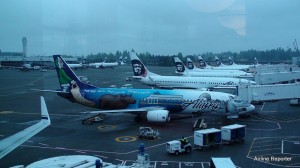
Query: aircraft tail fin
x=230, y=61
x=180, y=67
x=139, y=69
x=67, y=78
x=202, y=63
x=255, y=61
x=217, y=61
x=190, y=64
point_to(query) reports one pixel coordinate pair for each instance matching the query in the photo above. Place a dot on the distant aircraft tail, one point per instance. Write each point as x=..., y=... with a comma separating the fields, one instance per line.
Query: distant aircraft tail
x=180, y=67
x=202, y=63
x=255, y=61
x=122, y=61
x=230, y=61
x=190, y=64
x=139, y=69
x=67, y=78
x=217, y=61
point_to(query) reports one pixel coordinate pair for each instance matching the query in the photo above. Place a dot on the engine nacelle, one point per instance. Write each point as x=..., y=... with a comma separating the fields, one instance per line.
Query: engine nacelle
x=158, y=116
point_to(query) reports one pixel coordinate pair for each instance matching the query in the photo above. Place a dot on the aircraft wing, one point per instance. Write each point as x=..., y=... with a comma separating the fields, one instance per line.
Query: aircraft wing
x=145, y=109
x=53, y=91
x=12, y=142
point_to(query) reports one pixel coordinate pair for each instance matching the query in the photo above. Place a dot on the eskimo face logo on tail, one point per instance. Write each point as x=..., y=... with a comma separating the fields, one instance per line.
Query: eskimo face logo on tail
x=179, y=67
x=138, y=68
x=202, y=63
x=230, y=62
x=218, y=63
x=190, y=65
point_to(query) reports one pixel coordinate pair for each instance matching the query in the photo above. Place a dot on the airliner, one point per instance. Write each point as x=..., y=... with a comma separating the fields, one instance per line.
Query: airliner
x=191, y=66
x=143, y=75
x=103, y=64
x=231, y=63
x=154, y=104
x=182, y=70
x=221, y=66
x=122, y=61
x=10, y=143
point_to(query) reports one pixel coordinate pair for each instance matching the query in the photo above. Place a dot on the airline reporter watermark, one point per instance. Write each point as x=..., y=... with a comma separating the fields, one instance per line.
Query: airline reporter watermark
x=272, y=159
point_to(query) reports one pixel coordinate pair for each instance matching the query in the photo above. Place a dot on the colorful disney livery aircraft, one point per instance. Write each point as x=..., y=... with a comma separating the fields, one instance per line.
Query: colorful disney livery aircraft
x=154, y=104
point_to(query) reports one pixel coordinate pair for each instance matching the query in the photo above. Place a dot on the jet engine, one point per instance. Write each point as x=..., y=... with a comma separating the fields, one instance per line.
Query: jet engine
x=158, y=116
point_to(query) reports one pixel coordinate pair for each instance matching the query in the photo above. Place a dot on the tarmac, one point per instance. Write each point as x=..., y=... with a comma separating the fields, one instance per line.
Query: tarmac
x=272, y=134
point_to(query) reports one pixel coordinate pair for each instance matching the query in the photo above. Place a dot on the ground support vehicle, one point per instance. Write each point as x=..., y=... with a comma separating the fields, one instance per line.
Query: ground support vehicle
x=148, y=133
x=176, y=147
x=207, y=138
x=233, y=133
x=90, y=119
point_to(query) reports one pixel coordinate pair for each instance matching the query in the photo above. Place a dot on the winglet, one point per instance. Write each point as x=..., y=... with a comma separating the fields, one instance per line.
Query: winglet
x=10, y=143
x=44, y=111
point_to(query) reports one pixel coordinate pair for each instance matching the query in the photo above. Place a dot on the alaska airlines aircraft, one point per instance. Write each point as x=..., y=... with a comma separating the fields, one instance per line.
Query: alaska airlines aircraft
x=103, y=64
x=191, y=66
x=221, y=66
x=231, y=63
x=10, y=143
x=122, y=61
x=146, y=77
x=155, y=104
x=182, y=70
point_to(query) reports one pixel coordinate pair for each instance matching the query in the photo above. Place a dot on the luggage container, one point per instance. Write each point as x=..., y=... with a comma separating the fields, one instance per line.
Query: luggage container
x=233, y=133
x=207, y=138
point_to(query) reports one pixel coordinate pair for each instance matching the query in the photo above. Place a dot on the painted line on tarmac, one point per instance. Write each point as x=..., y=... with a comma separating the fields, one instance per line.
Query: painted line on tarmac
x=6, y=112
x=102, y=127
x=126, y=139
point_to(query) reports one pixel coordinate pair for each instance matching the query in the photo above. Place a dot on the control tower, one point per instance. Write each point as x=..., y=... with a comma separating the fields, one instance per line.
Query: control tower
x=24, y=42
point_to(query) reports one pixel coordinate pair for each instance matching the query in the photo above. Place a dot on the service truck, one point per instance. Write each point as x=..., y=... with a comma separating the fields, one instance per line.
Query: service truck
x=233, y=133
x=176, y=147
x=207, y=138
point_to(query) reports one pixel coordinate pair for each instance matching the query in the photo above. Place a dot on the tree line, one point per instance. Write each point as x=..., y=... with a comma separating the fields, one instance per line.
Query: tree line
x=278, y=55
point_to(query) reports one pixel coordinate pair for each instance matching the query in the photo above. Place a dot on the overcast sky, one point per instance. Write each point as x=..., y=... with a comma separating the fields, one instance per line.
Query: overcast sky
x=81, y=27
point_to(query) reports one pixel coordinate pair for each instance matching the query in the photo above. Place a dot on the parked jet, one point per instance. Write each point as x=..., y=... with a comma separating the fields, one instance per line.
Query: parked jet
x=10, y=143
x=103, y=64
x=203, y=64
x=122, y=61
x=191, y=66
x=231, y=63
x=221, y=66
x=155, y=104
x=182, y=70
x=146, y=77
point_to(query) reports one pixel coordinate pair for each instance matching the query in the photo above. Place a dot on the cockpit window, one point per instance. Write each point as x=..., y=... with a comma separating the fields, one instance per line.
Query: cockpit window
x=231, y=97
x=238, y=101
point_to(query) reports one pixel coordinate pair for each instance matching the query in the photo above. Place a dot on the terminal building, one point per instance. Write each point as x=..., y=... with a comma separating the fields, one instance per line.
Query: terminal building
x=20, y=58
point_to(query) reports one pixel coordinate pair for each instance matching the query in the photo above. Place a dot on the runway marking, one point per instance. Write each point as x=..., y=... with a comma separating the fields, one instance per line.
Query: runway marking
x=106, y=127
x=5, y=88
x=6, y=112
x=273, y=152
x=125, y=139
x=262, y=106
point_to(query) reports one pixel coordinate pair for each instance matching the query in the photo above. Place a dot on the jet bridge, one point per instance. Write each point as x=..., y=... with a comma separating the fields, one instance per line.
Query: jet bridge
x=257, y=93
x=276, y=77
